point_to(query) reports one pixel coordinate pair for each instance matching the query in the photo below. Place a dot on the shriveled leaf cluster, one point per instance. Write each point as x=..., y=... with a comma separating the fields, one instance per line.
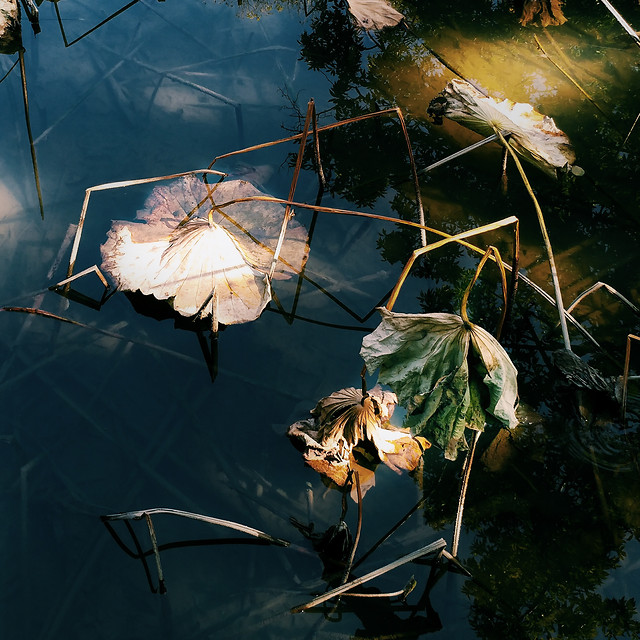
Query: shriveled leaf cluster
x=347, y=418
x=450, y=375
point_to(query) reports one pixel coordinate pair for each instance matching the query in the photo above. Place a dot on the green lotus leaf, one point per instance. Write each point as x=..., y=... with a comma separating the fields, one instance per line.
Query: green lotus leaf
x=449, y=374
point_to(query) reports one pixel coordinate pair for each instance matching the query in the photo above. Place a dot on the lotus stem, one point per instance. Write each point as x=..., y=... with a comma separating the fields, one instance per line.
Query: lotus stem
x=463, y=495
x=138, y=515
x=418, y=252
x=288, y=211
x=25, y=101
x=623, y=23
x=391, y=531
x=573, y=81
x=428, y=549
x=86, y=33
x=457, y=154
x=347, y=571
x=154, y=543
x=547, y=243
x=503, y=277
x=625, y=375
x=10, y=70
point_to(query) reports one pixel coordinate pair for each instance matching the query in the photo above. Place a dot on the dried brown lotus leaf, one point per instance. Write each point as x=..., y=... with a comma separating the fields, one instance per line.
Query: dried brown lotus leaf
x=347, y=414
x=10, y=29
x=345, y=426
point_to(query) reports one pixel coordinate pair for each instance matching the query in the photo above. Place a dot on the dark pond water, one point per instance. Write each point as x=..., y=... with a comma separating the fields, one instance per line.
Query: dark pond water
x=118, y=412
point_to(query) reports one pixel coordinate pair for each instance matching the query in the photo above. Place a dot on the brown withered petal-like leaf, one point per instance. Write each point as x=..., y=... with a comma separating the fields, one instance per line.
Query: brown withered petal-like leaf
x=323, y=438
x=374, y=14
x=347, y=415
x=535, y=136
x=212, y=267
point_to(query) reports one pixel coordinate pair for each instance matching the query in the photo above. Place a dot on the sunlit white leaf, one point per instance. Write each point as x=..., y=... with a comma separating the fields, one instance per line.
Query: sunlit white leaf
x=374, y=14
x=535, y=136
x=203, y=266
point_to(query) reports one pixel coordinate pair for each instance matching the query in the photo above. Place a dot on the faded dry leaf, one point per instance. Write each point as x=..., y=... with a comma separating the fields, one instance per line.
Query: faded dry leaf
x=350, y=432
x=10, y=30
x=374, y=14
x=211, y=267
x=533, y=135
x=346, y=415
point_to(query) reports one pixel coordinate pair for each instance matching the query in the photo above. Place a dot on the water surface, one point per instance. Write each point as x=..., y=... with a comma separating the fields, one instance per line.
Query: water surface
x=118, y=412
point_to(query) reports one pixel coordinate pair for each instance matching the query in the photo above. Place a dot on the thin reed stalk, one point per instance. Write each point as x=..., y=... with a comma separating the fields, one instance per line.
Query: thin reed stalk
x=25, y=100
x=428, y=549
x=547, y=243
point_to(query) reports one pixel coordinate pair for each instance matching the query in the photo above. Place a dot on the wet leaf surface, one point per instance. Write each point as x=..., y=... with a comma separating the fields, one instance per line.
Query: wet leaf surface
x=340, y=422
x=374, y=14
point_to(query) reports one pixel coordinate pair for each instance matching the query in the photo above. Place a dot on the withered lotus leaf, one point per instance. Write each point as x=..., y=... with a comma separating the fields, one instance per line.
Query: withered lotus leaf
x=10, y=29
x=204, y=258
x=374, y=14
x=532, y=134
x=349, y=430
x=348, y=416
x=449, y=374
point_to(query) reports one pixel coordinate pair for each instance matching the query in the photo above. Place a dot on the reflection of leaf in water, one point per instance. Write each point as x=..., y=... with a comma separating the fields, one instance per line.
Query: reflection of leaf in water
x=212, y=267
x=445, y=386
x=549, y=12
x=535, y=136
x=374, y=14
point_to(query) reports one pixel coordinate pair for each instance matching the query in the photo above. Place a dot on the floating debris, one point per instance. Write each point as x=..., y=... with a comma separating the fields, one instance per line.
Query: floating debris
x=10, y=28
x=374, y=14
x=348, y=418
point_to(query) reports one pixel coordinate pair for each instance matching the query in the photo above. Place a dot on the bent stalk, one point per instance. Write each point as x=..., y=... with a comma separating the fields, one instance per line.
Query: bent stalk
x=547, y=243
